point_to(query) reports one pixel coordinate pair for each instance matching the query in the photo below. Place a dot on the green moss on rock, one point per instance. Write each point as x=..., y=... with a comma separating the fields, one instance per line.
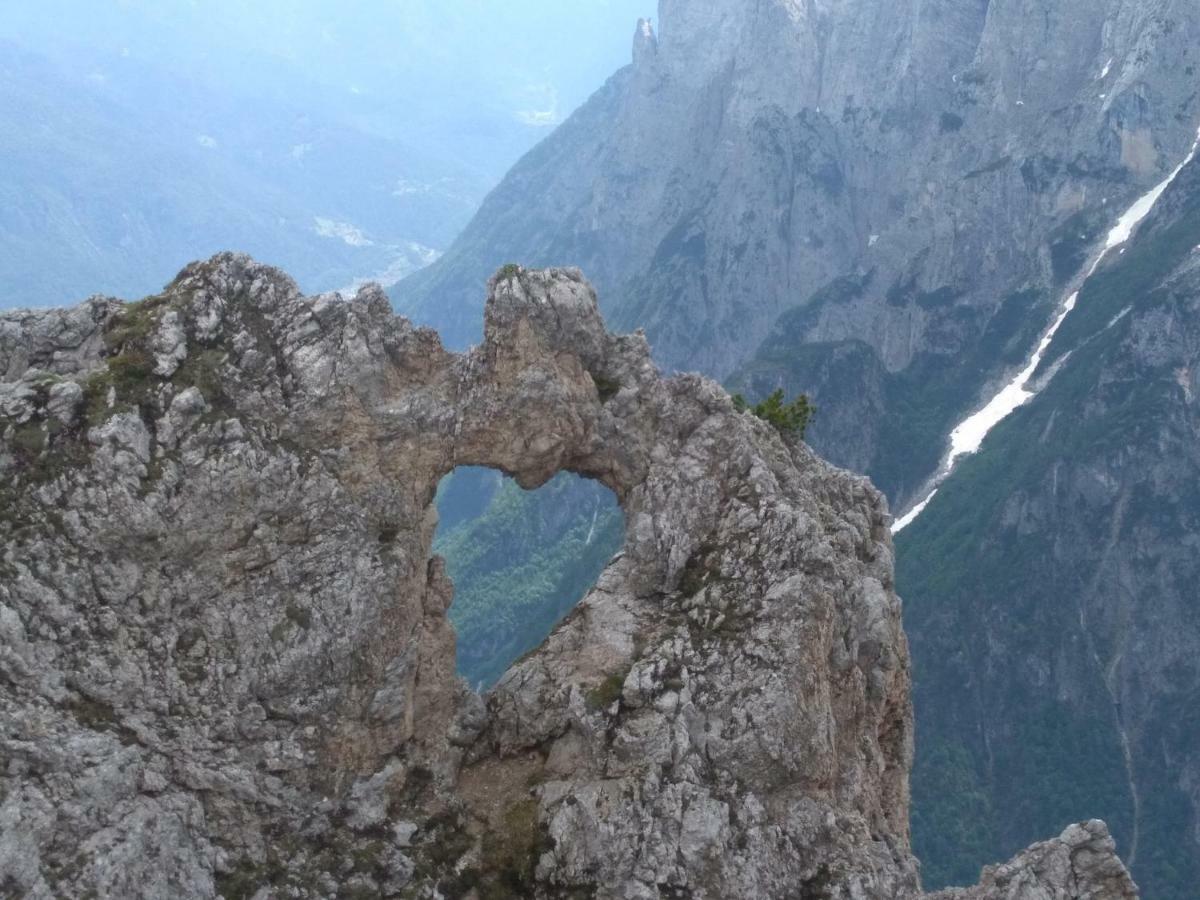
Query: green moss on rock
x=606, y=388
x=29, y=439
x=135, y=323
x=202, y=370
x=607, y=692
x=508, y=862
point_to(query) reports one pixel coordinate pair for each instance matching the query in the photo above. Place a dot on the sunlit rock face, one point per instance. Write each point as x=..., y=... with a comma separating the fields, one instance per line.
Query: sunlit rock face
x=227, y=668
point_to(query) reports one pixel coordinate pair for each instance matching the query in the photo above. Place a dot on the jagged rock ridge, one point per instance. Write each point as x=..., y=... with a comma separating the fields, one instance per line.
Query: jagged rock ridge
x=226, y=667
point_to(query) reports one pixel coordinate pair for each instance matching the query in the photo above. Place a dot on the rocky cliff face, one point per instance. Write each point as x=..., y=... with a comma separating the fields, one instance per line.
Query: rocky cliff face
x=227, y=669
x=875, y=202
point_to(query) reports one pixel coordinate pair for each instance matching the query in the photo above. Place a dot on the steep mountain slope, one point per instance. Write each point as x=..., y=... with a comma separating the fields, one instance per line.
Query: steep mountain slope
x=1052, y=587
x=910, y=182
x=226, y=668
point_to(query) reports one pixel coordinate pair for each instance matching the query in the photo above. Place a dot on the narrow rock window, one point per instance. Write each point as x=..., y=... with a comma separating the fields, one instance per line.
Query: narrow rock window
x=520, y=560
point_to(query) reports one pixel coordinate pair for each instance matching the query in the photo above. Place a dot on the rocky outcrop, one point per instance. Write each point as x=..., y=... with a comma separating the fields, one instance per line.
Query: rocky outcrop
x=1082, y=863
x=226, y=667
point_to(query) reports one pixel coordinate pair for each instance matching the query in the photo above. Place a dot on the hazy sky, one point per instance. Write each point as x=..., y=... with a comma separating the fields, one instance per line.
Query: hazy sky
x=535, y=60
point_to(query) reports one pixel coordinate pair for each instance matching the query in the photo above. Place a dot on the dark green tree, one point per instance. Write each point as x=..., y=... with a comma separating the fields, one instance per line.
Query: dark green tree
x=790, y=419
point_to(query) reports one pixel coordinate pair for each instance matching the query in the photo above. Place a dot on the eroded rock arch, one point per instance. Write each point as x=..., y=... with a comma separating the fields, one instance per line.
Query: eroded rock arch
x=742, y=655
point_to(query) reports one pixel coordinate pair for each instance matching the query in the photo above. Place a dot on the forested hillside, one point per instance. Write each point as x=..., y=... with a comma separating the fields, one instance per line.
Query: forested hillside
x=519, y=560
x=1051, y=587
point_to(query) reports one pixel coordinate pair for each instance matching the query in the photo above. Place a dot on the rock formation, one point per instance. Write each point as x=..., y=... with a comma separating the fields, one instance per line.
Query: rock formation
x=1081, y=863
x=226, y=667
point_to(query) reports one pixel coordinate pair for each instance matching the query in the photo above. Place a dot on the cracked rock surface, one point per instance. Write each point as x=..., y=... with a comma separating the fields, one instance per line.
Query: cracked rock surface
x=226, y=668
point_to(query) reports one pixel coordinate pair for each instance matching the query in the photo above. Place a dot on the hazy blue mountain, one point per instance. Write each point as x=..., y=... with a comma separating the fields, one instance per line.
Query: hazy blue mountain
x=480, y=79
x=114, y=178
x=338, y=142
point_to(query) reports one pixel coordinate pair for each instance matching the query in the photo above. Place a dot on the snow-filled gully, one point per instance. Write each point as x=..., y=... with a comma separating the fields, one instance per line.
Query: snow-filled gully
x=967, y=438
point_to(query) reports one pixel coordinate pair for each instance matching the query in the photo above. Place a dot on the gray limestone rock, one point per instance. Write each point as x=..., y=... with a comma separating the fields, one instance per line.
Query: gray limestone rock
x=227, y=668
x=1080, y=865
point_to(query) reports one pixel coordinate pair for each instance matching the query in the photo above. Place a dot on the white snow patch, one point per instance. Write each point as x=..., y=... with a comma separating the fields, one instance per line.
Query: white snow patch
x=913, y=513
x=1106, y=70
x=968, y=437
x=300, y=151
x=343, y=231
x=1118, y=317
x=1125, y=226
x=1183, y=377
x=207, y=141
x=873, y=240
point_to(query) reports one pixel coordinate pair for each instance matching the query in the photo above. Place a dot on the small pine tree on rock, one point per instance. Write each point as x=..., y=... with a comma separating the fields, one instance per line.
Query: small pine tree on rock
x=790, y=419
